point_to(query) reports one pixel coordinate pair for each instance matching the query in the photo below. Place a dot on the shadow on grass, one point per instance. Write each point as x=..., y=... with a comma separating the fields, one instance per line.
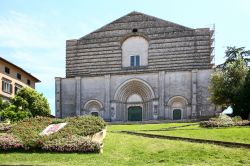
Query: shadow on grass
x=40, y=151
x=195, y=140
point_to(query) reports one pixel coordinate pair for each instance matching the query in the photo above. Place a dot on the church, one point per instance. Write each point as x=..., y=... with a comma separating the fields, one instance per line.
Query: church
x=138, y=68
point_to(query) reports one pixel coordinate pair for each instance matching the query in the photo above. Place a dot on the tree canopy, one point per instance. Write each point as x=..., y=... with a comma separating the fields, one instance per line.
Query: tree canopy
x=27, y=103
x=229, y=84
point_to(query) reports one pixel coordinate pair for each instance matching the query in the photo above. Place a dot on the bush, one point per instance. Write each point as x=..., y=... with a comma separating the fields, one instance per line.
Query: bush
x=224, y=121
x=29, y=99
x=27, y=103
x=14, y=114
x=56, y=121
x=9, y=142
x=242, y=123
x=74, y=137
x=3, y=104
x=83, y=125
x=5, y=127
x=236, y=119
x=28, y=130
x=73, y=143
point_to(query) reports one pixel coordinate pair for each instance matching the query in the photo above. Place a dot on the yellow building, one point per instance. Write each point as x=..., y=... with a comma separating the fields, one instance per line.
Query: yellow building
x=12, y=78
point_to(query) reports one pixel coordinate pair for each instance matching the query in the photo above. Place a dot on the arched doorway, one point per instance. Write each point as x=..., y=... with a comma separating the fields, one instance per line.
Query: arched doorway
x=134, y=101
x=135, y=113
x=178, y=107
x=177, y=114
x=93, y=107
x=94, y=113
x=134, y=104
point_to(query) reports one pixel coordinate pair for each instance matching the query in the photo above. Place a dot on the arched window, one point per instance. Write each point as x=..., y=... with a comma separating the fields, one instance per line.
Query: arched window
x=93, y=107
x=135, y=52
x=177, y=106
x=134, y=98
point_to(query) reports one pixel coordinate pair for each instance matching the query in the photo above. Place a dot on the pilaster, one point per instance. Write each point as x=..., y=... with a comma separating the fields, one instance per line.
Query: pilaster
x=107, y=96
x=58, y=97
x=78, y=96
x=194, y=94
x=161, y=92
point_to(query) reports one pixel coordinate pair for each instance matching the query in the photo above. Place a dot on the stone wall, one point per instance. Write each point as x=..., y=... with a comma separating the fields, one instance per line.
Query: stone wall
x=189, y=85
x=172, y=47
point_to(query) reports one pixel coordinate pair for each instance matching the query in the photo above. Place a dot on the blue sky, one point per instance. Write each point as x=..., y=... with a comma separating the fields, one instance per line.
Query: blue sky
x=33, y=32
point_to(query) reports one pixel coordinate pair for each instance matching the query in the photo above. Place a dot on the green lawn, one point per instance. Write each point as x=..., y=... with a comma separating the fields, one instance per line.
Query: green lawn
x=136, y=127
x=124, y=149
x=232, y=134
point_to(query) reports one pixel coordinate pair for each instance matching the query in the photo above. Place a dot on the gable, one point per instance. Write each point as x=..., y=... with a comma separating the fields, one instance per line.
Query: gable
x=137, y=20
x=171, y=47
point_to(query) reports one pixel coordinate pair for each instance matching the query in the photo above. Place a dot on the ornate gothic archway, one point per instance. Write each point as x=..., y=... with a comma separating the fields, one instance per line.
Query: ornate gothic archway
x=134, y=93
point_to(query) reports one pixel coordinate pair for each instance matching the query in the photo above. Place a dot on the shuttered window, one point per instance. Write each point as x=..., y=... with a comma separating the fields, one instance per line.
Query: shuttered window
x=6, y=86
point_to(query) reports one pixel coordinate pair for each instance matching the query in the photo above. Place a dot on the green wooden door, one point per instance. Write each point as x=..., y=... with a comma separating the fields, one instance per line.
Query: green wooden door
x=135, y=113
x=176, y=114
x=94, y=114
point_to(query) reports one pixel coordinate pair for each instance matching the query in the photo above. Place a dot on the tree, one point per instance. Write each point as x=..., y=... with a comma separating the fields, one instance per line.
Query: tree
x=3, y=104
x=29, y=99
x=242, y=104
x=27, y=103
x=227, y=83
x=233, y=54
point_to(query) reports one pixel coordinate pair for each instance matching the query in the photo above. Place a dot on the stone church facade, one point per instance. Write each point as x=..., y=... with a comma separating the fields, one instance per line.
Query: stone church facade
x=138, y=68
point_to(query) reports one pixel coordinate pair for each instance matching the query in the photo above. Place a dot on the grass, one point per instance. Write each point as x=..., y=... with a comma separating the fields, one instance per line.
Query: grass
x=136, y=127
x=232, y=134
x=123, y=149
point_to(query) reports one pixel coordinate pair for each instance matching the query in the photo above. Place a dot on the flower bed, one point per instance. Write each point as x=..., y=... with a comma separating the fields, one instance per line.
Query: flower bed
x=74, y=137
x=5, y=127
x=224, y=121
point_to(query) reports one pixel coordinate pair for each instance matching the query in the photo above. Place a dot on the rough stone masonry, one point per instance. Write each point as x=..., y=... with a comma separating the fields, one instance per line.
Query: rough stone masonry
x=138, y=68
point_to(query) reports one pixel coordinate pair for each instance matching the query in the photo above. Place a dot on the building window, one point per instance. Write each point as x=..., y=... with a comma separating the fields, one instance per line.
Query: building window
x=28, y=82
x=18, y=76
x=135, y=60
x=17, y=88
x=6, y=86
x=7, y=70
x=135, y=46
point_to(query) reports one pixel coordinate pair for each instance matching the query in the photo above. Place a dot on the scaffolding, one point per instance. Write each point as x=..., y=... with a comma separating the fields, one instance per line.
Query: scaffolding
x=212, y=42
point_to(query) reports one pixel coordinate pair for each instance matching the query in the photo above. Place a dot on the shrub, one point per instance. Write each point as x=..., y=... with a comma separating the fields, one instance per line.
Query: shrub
x=28, y=130
x=29, y=99
x=236, y=119
x=56, y=121
x=9, y=142
x=73, y=143
x=5, y=127
x=3, y=104
x=224, y=121
x=14, y=114
x=221, y=121
x=242, y=123
x=74, y=137
x=85, y=125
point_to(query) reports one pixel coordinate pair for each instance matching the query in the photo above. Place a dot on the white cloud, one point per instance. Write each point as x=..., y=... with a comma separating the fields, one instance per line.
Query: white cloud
x=19, y=30
x=35, y=46
x=38, y=46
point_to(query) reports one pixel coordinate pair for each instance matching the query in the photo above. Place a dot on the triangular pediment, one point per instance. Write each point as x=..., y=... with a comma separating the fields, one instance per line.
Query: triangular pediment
x=140, y=21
